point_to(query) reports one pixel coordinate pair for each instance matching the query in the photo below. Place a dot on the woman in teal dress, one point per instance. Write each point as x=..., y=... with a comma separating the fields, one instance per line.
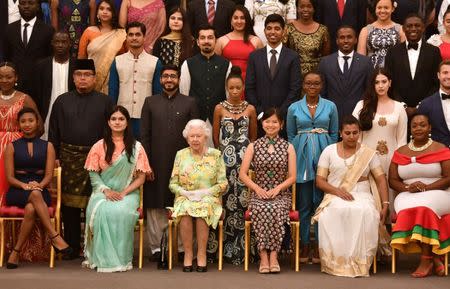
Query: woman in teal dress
x=198, y=181
x=312, y=125
x=117, y=166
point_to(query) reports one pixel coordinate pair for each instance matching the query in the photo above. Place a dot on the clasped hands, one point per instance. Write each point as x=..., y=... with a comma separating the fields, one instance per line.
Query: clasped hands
x=267, y=194
x=416, y=187
x=31, y=186
x=113, y=195
x=196, y=195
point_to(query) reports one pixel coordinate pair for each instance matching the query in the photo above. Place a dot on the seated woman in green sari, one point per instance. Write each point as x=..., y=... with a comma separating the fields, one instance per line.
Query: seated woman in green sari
x=117, y=166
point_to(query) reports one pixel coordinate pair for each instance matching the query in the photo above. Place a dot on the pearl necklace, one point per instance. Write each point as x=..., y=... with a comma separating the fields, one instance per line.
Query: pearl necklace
x=412, y=147
x=8, y=97
x=312, y=106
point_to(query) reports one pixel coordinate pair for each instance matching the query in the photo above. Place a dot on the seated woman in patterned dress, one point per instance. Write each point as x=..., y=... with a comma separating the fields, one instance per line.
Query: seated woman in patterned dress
x=420, y=172
x=198, y=181
x=29, y=163
x=117, y=165
x=273, y=160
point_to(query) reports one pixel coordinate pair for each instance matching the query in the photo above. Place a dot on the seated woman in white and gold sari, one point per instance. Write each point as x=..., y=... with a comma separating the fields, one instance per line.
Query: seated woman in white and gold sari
x=349, y=215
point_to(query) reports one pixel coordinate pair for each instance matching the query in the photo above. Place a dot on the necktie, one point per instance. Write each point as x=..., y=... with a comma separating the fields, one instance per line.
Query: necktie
x=273, y=63
x=341, y=4
x=445, y=96
x=414, y=46
x=25, y=34
x=211, y=12
x=346, y=58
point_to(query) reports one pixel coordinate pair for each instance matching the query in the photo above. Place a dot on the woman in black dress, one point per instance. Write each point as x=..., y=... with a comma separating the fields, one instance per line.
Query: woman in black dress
x=29, y=163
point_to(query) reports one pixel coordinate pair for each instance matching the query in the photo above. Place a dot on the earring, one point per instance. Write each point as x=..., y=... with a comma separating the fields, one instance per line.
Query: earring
x=429, y=135
x=411, y=137
x=16, y=84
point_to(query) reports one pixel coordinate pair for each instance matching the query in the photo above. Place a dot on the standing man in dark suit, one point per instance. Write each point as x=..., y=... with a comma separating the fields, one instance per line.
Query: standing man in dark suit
x=53, y=76
x=26, y=42
x=345, y=73
x=413, y=65
x=273, y=72
x=335, y=13
x=216, y=13
x=437, y=106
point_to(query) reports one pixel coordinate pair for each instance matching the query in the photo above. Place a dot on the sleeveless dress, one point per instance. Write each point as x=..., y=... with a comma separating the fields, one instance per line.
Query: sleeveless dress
x=444, y=47
x=233, y=143
x=237, y=52
x=9, y=132
x=153, y=16
x=379, y=40
x=73, y=17
x=33, y=165
x=270, y=217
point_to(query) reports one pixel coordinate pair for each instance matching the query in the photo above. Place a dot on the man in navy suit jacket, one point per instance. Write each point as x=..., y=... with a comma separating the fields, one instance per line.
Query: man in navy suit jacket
x=276, y=85
x=437, y=106
x=345, y=89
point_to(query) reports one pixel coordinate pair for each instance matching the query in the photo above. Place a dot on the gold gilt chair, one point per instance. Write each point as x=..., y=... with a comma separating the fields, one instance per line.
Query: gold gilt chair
x=140, y=225
x=295, y=228
x=395, y=251
x=173, y=240
x=12, y=213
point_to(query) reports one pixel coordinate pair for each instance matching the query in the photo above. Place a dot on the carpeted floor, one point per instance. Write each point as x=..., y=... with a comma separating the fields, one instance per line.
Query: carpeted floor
x=69, y=275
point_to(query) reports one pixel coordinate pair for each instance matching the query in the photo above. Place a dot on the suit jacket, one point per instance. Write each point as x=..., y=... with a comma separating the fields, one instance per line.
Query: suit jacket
x=425, y=82
x=42, y=83
x=264, y=92
x=432, y=106
x=26, y=57
x=354, y=15
x=196, y=15
x=345, y=91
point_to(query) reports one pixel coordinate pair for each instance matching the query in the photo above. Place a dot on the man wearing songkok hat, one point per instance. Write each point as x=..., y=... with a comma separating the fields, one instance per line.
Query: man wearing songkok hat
x=77, y=122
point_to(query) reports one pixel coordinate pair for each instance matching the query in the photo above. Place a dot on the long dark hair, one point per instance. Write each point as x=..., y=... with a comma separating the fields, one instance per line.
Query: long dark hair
x=186, y=34
x=370, y=102
x=128, y=138
x=114, y=19
x=248, y=30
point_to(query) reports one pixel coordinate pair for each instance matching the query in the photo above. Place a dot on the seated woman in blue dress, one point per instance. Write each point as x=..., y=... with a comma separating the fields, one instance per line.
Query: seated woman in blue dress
x=29, y=163
x=117, y=165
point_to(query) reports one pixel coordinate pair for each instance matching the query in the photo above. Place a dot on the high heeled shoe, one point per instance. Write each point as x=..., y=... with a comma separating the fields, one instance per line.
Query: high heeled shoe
x=439, y=267
x=10, y=265
x=188, y=269
x=427, y=271
x=65, y=252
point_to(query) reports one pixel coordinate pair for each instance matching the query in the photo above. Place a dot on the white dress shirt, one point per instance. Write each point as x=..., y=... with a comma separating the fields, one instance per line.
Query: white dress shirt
x=413, y=56
x=60, y=76
x=277, y=55
x=445, y=108
x=341, y=60
x=29, y=28
x=13, y=11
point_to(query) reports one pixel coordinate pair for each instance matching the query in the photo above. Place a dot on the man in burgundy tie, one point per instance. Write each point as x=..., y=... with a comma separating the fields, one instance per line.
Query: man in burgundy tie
x=216, y=13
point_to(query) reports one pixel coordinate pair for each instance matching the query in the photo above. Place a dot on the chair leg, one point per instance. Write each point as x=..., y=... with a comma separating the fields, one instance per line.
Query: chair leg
x=247, y=244
x=141, y=241
x=297, y=246
x=169, y=229
x=394, y=257
x=175, y=242
x=220, y=244
x=13, y=232
x=52, y=250
x=2, y=241
x=374, y=268
x=446, y=264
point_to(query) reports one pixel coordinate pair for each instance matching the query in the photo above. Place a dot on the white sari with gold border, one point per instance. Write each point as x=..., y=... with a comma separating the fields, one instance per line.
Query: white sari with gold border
x=348, y=230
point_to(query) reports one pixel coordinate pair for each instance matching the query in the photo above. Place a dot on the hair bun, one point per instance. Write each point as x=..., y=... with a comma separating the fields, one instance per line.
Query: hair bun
x=236, y=70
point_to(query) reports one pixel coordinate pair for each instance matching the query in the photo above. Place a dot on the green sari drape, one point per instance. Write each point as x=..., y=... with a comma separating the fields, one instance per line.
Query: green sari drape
x=109, y=234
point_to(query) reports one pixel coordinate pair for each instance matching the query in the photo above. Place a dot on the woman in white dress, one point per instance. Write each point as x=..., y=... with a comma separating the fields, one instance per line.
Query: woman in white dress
x=384, y=122
x=350, y=214
x=421, y=172
x=259, y=10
